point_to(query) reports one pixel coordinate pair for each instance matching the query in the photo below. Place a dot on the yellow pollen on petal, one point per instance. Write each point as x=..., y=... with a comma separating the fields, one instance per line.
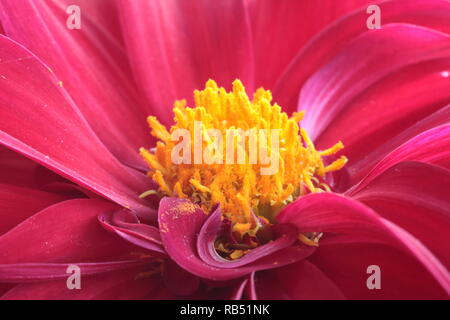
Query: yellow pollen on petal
x=251, y=130
x=236, y=254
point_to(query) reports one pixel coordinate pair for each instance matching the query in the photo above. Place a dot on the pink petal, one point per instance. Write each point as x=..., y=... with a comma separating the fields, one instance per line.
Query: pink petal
x=90, y=62
x=281, y=28
x=16, y=169
x=119, y=285
x=67, y=146
x=70, y=190
x=17, y=204
x=251, y=289
x=176, y=46
x=239, y=290
x=298, y=281
x=431, y=146
x=354, y=70
x=429, y=13
x=37, y=272
x=179, y=281
x=64, y=233
x=180, y=222
x=401, y=276
x=5, y=287
x=344, y=220
x=210, y=230
x=414, y=196
x=390, y=107
x=127, y=226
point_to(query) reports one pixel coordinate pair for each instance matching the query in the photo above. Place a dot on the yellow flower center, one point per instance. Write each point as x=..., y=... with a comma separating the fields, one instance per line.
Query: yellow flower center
x=251, y=158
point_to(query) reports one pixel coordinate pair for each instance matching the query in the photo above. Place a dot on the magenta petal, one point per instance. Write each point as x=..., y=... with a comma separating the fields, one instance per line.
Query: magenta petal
x=415, y=196
x=176, y=46
x=281, y=28
x=239, y=290
x=63, y=233
x=409, y=98
x=118, y=285
x=180, y=222
x=91, y=62
x=401, y=276
x=17, y=204
x=34, y=272
x=428, y=13
x=434, y=266
x=179, y=281
x=344, y=220
x=210, y=230
x=341, y=218
x=15, y=169
x=68, y=146
x=298, y=281
x=353, y=70
x=431, y=146
x=127, y=226
x=251, y=288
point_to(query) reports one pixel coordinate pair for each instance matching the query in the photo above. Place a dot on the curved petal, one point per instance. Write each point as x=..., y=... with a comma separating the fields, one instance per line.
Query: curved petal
x=64, y=233
x=298, y=281
x=390, y=107
x=281, y=28
x=344, y=221
x=176, y=46
x=353, y=70
x=414, y=196
x=17, y=204
x=239, y=290
x=180, y=222
x=90, y=62
x=431, y=146
x=428, y=13
x=127, y=226
x=119, y=285
x=287, y=236
x=401, y=277
x=55, y=134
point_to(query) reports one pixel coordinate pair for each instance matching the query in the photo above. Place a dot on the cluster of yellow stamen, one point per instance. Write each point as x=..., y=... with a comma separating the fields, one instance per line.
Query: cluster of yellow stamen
x=240, y=188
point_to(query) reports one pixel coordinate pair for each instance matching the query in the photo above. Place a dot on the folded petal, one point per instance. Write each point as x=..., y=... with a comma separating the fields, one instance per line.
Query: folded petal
x=414, y=196
x=344, y=221
x=55, y=134
x=287, y=236
x=180, y=223
x=176, y=46
x=17, y=204
x=127, y=226
x=91, y=63
x=354, y=70
x=298, y=281
x=63, y=233
x=428, y=13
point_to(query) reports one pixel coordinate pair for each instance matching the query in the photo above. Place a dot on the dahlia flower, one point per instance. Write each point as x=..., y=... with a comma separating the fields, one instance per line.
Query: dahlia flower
x=357, y=208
